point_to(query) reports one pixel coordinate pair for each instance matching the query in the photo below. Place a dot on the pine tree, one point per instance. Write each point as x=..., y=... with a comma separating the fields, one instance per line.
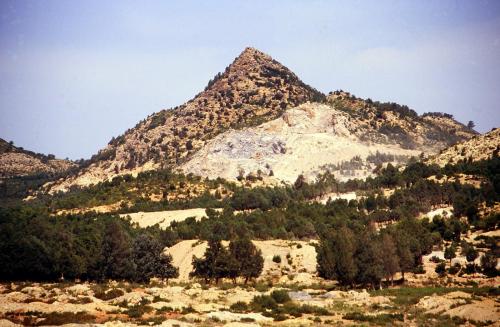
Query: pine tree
x=117, y=252
x=346, y=269
x=150, y=261
x=247, y=257
x=369, y=260
x=405, y=257
x=390, y=257
x=214, y=264
x=450, y=252
x=326, y=265
x=335, y=256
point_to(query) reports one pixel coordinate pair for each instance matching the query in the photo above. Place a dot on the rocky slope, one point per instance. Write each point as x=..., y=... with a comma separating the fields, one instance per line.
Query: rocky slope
x=305, y=140
x=253, y=89
x=346, y=135
x=480, y=147
x=398, y=124
x=255, y=118
x=16, y=161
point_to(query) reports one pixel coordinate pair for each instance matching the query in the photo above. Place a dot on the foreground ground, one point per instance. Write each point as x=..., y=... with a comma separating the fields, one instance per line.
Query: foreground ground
x=176, y=304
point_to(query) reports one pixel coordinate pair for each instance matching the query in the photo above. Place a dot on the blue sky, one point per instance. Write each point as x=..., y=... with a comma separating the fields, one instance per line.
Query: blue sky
x=76, y=73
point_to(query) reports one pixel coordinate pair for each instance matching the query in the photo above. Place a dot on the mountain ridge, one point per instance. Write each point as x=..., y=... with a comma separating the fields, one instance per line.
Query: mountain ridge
x=254, y=89
x=16, y=161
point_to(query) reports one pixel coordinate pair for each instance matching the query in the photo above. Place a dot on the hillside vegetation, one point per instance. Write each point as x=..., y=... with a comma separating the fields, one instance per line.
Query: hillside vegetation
x=252, y=91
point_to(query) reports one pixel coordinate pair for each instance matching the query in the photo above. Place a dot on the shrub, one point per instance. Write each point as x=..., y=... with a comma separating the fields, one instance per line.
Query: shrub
x=108, y=295
x=488, y=264
x=419, y=269
x=62, y=318
x=280, y=296
x=471, y=268
x=381, y=319
x=454, y=269
x=263, y=302
x=277, y=258
x=441, y=268
x=435, y=259
x=261, y=287
x=239, y=306
x=137, y=311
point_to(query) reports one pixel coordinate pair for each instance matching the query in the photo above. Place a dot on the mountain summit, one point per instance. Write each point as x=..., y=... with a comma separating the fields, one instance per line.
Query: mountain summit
x=256, y=91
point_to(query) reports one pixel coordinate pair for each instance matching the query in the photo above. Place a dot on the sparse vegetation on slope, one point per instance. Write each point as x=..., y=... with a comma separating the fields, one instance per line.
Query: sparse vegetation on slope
x=253, y=89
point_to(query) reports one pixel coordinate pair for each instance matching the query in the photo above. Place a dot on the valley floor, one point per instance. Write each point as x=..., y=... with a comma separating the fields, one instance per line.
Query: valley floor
x=257, y=304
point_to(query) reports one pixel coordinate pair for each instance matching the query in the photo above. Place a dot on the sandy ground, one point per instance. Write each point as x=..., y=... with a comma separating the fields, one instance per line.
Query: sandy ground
x=443, y=212
x=336, y=196
x=460, y=304
x=302, y=266
x=211, y=306
x=99, y=209
x=165, y=218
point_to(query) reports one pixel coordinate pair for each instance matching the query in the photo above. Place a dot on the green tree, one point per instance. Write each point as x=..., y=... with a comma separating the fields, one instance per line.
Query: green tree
x=450, y=252
x=390, y=257
x=369, y=260
x=117, y=253
x=470, y=252
x=405, y=257
x=335, y=256
x=150, y=261
x=215, y=264
x=247, y=257
x=489, y=264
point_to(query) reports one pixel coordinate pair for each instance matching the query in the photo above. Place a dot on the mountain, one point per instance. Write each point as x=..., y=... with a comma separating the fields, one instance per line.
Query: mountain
x=346, y=135
x=15, y=161
x=480, y=147
x=257, y=94
x=253, y=89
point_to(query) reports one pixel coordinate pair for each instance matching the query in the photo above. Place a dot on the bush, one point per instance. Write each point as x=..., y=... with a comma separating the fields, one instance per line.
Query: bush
x=109, y=294
x=262, y=302
x=277, y=259
x=471, y=268
x=441, y=269
x=138, y=310
x=419, y=270
x=280, y=296
x=454, y=269
x=488, y=264
x=62, y=318
x=381, y=319
x=435, y=259
x=239, y=306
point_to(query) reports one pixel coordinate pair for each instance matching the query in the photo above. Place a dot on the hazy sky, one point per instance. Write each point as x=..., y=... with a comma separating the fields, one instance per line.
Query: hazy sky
x=75, y=73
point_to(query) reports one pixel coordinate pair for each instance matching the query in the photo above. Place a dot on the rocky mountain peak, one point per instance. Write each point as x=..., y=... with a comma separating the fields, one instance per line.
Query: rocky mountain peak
x=252, y=90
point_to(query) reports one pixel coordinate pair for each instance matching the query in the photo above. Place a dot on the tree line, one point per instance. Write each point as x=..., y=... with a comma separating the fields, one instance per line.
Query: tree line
x=36, y=246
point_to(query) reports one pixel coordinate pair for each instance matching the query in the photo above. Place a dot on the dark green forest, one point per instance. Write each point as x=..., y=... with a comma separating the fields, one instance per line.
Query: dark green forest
x=36, y=245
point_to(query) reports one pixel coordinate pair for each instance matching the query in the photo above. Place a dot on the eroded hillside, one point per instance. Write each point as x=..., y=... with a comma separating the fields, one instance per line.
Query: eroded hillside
x=253, y=89
x=398, y=124
x=481, y=147
x=15, y=161
x=306, y=140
